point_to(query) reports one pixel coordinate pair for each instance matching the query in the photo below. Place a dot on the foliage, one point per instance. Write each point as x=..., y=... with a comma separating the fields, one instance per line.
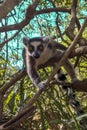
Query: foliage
x=52, y=111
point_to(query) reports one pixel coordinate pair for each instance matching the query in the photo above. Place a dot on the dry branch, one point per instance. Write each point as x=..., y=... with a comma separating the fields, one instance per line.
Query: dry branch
x=74, y=20
x=30, y=13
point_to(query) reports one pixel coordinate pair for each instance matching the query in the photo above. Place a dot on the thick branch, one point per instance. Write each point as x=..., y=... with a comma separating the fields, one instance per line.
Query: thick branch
x=70, y=30
x=80, y=51
x=24, y=115
x=80, y=85
x=7, y=6
x=74, y=20
x=30, y=13
x=31, y=8
x=65, y=10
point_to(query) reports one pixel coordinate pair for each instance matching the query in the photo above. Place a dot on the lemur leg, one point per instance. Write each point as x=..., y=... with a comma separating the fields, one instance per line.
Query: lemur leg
x=32, y=72
x=76, y=105
x=71, y=96
x=70, y=70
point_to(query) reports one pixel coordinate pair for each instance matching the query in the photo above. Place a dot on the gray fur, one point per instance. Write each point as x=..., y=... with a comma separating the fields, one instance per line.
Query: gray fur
x=51, y=50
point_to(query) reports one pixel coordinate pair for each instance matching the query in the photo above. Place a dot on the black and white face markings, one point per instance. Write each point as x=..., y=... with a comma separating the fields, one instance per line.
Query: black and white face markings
x=39, y=49
x=36, y=47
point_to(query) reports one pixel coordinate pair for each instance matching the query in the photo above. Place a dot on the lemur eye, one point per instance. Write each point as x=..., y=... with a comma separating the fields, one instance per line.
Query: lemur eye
x=31, y=49
x=40, y=48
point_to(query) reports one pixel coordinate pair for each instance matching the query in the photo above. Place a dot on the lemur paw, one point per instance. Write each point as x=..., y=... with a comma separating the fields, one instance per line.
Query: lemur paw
x=41, y=85
x=74, y=80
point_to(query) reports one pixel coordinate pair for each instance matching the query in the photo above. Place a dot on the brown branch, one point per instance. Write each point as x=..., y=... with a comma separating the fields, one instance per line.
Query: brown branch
x=80, y=51
x=23, y=116
x=7, y=6
x=30, y=13
x=31, y=8
x=74, y=20
x=54, y=10
x=80, y=85
x=13, y=121
x=70, y=29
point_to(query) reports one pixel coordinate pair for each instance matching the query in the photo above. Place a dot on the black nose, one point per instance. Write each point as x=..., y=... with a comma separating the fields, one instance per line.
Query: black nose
x=36, y=55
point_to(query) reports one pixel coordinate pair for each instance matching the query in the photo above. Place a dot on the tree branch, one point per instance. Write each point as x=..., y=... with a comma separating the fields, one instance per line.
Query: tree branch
x=80, y=51
x=68, y=51
x=7, y=6
x=80, y=85
x=70, y=29
x=30, y=13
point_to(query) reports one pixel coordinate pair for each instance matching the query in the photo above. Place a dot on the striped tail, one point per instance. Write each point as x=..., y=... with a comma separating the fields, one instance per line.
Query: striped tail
x=71, y=97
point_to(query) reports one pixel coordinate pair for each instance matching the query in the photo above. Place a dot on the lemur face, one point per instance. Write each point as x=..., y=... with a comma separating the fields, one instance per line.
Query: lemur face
x=35, y=46
x=35, y=49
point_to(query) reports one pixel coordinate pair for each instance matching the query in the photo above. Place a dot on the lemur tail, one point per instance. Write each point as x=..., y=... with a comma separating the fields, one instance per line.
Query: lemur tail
x=71, y=97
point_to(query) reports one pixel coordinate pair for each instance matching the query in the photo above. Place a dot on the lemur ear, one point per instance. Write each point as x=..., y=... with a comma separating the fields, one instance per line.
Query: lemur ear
x=25, y=41
x=46, y=39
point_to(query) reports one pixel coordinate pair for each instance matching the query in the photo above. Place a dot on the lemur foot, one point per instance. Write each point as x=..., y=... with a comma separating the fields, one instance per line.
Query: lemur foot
x=41, y=85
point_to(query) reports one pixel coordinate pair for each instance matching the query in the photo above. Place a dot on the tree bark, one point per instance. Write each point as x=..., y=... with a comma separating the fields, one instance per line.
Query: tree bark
x=7, y=6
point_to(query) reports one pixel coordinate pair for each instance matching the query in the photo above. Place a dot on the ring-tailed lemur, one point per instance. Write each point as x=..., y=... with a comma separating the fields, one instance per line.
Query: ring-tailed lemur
x=38, y=51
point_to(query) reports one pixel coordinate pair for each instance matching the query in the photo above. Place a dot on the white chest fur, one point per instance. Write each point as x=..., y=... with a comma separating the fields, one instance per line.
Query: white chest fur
x=44, y=58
